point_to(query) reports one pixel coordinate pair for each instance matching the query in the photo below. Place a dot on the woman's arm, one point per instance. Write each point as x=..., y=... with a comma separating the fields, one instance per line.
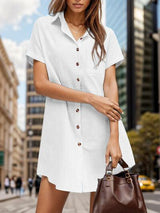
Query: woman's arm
x=111, y=91
x=46, y=88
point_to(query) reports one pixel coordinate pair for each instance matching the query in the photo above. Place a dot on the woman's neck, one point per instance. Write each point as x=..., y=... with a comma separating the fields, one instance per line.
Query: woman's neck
x=75, y=18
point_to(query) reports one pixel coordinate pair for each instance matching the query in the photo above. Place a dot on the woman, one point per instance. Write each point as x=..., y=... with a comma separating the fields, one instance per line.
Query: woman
x=12, y=184
x=82, y=126
x=6, y=183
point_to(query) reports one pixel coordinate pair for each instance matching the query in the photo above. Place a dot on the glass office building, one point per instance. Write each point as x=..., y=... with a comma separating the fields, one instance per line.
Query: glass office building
x=118, y=23
x=133, y=22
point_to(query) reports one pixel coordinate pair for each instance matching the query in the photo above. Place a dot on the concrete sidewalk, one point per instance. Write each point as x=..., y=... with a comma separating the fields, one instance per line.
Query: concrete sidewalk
x=8, y=196
x=77, y=203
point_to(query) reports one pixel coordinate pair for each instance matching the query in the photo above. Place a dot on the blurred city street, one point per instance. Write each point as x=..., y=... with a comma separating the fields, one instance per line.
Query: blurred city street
x=76, y=203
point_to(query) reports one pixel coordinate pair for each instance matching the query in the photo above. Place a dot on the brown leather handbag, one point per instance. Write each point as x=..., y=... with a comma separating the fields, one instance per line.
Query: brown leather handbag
x=119, y=193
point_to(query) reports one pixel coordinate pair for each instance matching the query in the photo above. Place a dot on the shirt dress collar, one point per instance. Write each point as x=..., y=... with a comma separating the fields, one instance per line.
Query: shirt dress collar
x=64, y=25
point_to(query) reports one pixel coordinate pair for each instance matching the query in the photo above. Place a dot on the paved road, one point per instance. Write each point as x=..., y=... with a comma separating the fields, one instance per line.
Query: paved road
x=76, y=203
x=26, y=204
x=152, y=200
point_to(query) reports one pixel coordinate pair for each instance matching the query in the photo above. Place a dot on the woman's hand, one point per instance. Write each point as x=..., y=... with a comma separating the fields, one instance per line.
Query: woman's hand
x=113, y=150
x=108, y=107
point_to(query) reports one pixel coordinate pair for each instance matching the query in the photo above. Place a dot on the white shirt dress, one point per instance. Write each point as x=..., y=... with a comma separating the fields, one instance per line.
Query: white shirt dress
x=74, y=135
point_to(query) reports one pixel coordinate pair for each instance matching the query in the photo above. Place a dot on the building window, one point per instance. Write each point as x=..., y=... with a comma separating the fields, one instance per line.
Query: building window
x=35, y=110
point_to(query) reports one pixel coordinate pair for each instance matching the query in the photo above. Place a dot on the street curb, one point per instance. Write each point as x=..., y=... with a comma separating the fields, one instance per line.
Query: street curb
x=11, y=198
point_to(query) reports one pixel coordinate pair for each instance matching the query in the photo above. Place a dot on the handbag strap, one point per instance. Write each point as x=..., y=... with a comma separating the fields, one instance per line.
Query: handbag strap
x=124, y=165
x=109, y=167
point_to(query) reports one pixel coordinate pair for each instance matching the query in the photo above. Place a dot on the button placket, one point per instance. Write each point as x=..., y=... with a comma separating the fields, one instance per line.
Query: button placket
x=77, y=105
x=79, y=141
x=78, y=64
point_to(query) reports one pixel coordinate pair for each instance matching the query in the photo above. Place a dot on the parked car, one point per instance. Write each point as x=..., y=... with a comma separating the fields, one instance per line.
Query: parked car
x=146, y=184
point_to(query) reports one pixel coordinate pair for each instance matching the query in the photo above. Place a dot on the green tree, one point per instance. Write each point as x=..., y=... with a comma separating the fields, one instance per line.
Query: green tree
x=144, y=142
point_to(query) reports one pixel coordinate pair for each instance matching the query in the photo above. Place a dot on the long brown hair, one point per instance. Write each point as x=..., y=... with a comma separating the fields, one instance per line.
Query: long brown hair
x=93, y=15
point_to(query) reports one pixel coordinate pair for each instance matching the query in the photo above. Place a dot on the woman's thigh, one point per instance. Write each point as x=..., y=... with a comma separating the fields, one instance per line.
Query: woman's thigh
x=50, y=200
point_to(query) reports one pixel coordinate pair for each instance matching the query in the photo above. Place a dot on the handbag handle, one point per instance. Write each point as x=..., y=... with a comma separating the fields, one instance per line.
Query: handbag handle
x=124, y=165
x=109, y=166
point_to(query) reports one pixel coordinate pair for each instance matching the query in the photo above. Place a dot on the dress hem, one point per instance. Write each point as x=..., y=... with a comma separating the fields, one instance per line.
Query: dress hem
x=62, y=188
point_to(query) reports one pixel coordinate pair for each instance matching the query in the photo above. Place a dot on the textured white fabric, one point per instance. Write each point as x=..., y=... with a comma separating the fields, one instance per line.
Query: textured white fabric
x=69, y=166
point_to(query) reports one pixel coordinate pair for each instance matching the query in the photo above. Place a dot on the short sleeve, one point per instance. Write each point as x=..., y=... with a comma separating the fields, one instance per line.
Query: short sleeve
x=113, y=51
x=34, y=47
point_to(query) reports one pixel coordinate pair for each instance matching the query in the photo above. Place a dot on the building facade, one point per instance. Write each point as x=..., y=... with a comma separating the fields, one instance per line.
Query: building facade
x=18, y=152
x=34, y=118
x=11, y=161
x=133, y=22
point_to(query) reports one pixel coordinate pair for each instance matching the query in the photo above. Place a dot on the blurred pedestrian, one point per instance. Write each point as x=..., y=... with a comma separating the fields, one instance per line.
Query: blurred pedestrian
x=37, y=185
x=6, y=183
x=12, y=185
x=22, y=187
x=30, y=186
x=18, y=185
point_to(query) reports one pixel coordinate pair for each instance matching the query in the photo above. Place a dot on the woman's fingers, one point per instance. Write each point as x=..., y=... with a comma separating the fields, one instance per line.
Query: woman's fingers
x=110, y=108
x=115, y=159
x=115, y=114
x=110, y=117
x=115, y=162
x=107, y=157
x=119, y=110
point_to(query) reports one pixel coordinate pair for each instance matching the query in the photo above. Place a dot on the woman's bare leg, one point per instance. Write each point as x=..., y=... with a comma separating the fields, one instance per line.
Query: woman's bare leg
x=92, y=196
x=50, y=200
